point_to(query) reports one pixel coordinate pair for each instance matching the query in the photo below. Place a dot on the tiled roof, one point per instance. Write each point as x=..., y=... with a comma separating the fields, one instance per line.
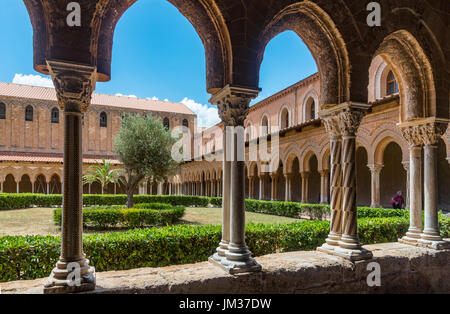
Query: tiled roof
x=50, y=158
x=46, y=93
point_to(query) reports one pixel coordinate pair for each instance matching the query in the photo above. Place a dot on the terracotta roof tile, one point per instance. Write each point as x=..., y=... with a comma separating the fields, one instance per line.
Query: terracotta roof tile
x=46, y=93
x=51, y=158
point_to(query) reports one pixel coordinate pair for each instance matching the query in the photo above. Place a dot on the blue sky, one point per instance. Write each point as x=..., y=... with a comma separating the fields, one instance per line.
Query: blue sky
x=156, y=53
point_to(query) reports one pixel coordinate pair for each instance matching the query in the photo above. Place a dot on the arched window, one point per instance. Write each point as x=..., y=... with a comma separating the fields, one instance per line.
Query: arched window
x=391, y=84
x=2, y=111
x=265, y=126
x=55, y=115
x=29, y=113
x=313, y=110
x=284, y=120
x=103, y=120
x=166, y=123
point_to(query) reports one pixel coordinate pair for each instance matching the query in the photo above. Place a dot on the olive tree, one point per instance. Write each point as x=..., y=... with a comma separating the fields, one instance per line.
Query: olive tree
x=143, y=145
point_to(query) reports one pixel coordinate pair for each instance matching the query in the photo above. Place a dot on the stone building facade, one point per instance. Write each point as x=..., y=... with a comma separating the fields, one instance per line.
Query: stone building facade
x=31, y=135
x=302, y=173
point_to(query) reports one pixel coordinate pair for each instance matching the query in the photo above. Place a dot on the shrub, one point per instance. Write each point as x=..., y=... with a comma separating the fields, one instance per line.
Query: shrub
x=153, y=206
x=24, y=200
x=104, y=217
x=30, y=257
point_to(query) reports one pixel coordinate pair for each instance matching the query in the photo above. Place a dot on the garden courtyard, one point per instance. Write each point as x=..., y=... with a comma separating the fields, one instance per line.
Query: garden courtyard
x=39, y=221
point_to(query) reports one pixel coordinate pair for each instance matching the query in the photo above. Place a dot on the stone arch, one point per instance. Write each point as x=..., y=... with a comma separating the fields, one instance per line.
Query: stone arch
x=265, y=118
x=25, y=184
x=40, y=184
x=10, y=184
x=95, y=37
x=282, y=118
x=310, y=97
x=55, y=184
x=380, y=143
x=413, y=72
x=291, y=153
x=325, y=42
x=393, y=175
x=307, y=152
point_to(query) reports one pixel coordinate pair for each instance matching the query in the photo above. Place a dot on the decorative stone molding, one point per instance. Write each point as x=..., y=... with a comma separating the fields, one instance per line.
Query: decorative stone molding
x=233, y=103
x=344, y=118
x=74, y=84
x=376, y=168
x=423, y=131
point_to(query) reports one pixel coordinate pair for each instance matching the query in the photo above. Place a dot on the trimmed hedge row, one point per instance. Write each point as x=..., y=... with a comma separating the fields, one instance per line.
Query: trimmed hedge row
x=30, y=257
x=105, y=217
x=25, y=200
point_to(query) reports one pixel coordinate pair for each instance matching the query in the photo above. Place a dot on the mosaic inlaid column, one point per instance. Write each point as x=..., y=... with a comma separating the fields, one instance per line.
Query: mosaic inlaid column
x=233, y=104
x=74, y=85
x=375, y=171
x=334, y=236
x=342, y=122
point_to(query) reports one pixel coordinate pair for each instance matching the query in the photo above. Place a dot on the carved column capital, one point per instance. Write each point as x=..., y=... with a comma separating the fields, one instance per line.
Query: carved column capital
x=74, y=84
x=343, y=119
x=324, y=172
x=233, y=103
x=424, y=131
x=375, y=168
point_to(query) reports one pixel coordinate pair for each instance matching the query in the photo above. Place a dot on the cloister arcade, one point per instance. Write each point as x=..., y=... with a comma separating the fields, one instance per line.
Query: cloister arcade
x=412, y=41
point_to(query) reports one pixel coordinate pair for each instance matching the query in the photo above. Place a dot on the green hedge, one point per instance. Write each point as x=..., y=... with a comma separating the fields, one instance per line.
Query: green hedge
x=104, y=217
x=30, y=257
x=24, y=200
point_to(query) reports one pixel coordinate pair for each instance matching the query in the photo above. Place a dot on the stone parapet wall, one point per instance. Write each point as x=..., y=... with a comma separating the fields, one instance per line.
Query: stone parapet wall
x=404, y=269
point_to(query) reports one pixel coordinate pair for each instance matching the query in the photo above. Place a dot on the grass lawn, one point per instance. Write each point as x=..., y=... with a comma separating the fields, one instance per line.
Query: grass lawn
x=40, y=220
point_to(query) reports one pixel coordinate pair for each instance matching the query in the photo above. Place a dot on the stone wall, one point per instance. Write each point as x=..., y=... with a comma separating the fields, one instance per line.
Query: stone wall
x=404, y=269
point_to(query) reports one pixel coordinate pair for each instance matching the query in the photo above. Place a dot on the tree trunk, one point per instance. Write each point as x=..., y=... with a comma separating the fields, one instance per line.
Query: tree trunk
x=130, y=201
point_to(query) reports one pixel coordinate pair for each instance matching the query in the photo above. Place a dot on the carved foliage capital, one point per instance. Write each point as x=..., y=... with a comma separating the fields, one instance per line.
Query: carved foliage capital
x=74, y=85
x=233, y=104
x=233, y=110
x=424, y=134
x=345, y=122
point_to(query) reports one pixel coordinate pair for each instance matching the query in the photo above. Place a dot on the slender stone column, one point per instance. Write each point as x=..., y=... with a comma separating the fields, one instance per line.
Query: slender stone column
x=408, y=180
x=305, y=187
x=74, y=85
x=324, y=186
x=412, y=135
x=273, y=190
x=288, y=193
x=250, y=187
x=233, y=103
x=262, y=186
x=431, y=132
x=226, y=201
x=375, y=171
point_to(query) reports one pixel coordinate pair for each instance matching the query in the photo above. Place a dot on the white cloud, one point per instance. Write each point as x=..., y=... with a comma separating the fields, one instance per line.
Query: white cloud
x=132, y=96
x=207, y=116
x=34, y=80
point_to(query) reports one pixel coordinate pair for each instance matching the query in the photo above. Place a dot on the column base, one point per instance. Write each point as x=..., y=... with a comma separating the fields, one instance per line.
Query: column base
x=235, y=267
x=333, y=239
x=238, y=260
x=353, y=255
x=434, y=244
x=63, y=280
